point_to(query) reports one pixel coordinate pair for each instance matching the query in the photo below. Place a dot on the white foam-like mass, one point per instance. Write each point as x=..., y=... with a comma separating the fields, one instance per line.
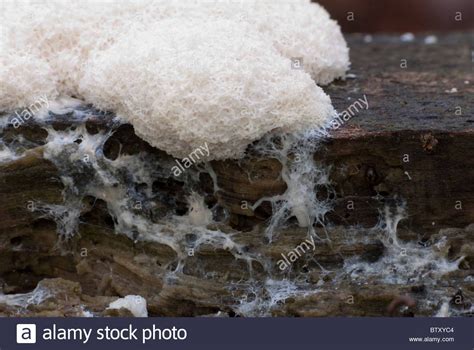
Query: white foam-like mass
x=296, y=28
x=183, y=73
x=135, y=303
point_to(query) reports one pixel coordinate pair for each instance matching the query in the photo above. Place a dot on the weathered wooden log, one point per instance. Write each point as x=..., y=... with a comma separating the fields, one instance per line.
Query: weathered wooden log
x=415, y=140
x=413, y=144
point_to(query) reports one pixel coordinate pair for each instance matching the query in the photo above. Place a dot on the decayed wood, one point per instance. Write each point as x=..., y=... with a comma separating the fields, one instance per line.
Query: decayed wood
x=410, y=114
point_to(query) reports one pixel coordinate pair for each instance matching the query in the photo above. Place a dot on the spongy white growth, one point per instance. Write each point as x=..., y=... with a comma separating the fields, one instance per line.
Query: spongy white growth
x=201, y=72
x=135, y=303
x=296, y=28
x=194, y=83
x=306, y=31
x=53, y=40
x=24, y=78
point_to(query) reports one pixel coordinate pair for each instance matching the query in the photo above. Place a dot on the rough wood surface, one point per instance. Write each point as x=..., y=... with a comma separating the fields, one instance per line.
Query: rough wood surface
x=410, y=113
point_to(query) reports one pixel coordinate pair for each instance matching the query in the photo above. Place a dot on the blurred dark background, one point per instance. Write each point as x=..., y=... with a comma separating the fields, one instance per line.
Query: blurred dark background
x=401, y=15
